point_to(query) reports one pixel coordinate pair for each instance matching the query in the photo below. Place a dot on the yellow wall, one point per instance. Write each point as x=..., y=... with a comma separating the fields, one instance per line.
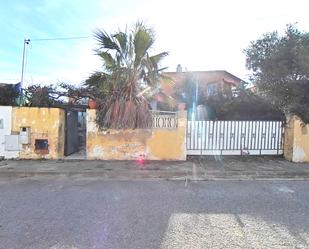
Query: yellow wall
x=289, y=139
x=296, y=146
x=153, y=144
x=44, y=123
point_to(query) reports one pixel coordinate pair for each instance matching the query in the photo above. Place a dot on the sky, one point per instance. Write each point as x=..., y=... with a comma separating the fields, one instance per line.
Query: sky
x=198, y=34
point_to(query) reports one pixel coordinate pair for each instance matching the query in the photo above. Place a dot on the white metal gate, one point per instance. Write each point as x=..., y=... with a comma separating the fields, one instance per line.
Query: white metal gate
x=235, y=137
x=8, y=142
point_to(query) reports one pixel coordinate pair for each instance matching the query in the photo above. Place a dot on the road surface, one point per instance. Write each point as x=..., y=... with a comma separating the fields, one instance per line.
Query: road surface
x=78, y=213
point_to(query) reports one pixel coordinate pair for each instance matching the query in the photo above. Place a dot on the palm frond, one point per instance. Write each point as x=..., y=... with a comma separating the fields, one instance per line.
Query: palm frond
x=105, y=41
x=122, y=40
x=155, y=59
x=108, y=59
x=143, y=40
x=167, y=78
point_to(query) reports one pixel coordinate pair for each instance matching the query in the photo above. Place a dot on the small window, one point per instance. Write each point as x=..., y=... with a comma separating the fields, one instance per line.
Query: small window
x=211, y=89
x=41, y=144
x=1, y=123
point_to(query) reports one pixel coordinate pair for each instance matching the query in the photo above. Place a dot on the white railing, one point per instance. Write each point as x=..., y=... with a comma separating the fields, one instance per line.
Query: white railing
x=164, y=120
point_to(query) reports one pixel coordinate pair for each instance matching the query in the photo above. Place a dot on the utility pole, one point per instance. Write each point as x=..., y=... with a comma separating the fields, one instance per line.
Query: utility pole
x=20, y=98
x=26, y=42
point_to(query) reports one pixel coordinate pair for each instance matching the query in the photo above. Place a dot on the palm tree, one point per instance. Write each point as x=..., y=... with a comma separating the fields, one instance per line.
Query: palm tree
x=130, y=74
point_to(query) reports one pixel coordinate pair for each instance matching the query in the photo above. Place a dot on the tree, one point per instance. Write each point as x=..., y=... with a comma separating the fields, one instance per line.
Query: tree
x=128, y=76
x=280, y=69
x=43, y=96
x=8, y=94
x=239, y=104
x=247, y=106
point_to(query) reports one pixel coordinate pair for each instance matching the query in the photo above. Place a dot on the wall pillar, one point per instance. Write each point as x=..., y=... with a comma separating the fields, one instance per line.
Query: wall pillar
x=296, y=140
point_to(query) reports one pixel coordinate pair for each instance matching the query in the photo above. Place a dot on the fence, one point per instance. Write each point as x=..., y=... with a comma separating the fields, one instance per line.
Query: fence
x=234, y=137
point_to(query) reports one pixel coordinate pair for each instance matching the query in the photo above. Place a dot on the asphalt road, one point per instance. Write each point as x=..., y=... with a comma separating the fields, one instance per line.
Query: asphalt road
x=76, y=213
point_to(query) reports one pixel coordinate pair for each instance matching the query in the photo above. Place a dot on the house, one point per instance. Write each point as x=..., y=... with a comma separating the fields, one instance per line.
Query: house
x=209, y=82
x=188, y=86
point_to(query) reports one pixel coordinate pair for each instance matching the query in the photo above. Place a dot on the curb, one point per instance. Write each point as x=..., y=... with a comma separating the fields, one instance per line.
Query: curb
x=179, y=176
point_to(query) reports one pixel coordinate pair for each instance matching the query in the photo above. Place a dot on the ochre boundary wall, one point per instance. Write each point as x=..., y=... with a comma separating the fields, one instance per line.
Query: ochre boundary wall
x=296, y=140
x=151, y=144
x=43, y=123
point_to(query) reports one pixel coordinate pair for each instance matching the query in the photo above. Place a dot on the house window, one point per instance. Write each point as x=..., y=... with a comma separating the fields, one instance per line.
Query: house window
x=1, y=123
x=233, y=89
x=211, y=89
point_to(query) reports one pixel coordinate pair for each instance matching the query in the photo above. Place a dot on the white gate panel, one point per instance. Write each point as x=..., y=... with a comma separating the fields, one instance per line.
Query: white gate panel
x=5, y=130
x=235, y=137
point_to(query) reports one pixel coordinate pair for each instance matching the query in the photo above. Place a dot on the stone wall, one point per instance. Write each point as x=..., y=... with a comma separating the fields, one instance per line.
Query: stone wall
x=43, y=124
x=151, y=144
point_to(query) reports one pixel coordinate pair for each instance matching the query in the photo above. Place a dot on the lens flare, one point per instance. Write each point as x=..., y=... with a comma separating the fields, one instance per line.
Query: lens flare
x=141, y=160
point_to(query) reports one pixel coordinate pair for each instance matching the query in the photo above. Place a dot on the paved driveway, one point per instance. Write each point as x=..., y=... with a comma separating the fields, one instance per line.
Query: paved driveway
x=79, y=213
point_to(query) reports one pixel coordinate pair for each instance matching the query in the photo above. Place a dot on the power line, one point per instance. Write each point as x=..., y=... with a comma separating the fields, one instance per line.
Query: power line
x=15, y=79
x=61, y=38
x=27, y=42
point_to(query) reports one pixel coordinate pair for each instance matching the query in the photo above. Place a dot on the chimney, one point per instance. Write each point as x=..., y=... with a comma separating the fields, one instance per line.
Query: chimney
x=179, y=69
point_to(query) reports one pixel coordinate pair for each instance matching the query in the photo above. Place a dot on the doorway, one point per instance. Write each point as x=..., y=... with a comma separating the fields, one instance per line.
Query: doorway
x=75, y=134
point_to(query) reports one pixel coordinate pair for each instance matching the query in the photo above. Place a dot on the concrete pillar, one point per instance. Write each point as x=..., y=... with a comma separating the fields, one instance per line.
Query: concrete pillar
x=296, y=140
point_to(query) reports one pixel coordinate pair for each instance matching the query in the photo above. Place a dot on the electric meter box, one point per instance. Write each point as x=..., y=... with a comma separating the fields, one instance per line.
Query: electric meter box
x=24, y=135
